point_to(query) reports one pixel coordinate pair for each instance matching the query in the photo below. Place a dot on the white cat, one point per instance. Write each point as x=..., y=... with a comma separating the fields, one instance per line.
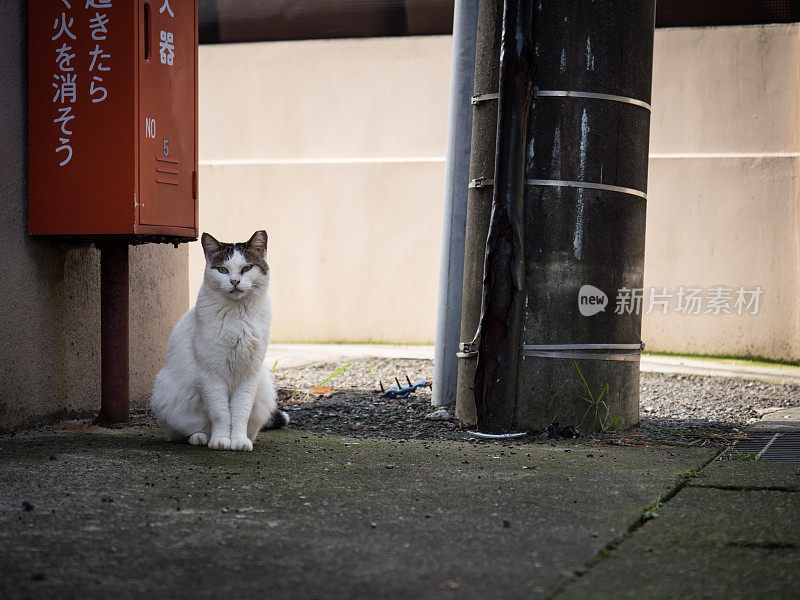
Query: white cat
x=214, y=388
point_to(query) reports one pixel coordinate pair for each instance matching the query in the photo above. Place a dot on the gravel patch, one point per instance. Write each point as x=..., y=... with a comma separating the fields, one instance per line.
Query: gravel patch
x=675, y=408
x=719, y=399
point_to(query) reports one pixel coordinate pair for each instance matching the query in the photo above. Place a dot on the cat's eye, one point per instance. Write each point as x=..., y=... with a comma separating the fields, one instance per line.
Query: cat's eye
x=246, y=268
x=222, y=270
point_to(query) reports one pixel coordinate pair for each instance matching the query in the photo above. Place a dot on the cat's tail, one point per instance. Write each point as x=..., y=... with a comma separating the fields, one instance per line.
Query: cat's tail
x=277, y=419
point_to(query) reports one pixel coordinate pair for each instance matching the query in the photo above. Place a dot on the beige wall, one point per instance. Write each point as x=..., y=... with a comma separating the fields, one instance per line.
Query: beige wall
x=158, y=287
x=723, y=207
x=50, y=356
x=347, y=262
x=50, y=291
x=337, y=147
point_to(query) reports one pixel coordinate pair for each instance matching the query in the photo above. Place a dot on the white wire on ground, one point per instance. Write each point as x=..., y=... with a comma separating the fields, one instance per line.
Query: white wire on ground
x=497, y=436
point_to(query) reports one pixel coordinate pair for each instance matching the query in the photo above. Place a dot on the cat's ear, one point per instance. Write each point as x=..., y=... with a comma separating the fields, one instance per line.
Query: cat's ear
x=209, y=243
x=258, y=242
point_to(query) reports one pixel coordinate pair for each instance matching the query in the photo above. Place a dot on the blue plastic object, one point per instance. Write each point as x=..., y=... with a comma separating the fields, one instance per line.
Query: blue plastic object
x=405, y=391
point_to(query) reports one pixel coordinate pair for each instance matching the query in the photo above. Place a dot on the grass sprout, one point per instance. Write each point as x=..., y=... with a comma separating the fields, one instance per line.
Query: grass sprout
x=597, y=403
x=651, y=511
x=339, y=370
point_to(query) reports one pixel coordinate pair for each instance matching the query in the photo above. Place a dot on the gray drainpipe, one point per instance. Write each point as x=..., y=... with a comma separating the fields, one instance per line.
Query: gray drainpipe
x=451, y=270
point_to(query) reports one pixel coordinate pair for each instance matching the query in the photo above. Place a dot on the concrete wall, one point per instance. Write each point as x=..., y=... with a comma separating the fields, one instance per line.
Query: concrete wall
x=50, y=291
x=336, y=147
x=723, y=207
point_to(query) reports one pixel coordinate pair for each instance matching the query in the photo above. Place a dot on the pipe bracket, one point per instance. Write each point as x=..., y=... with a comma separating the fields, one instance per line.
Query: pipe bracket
x=465, y=350
x=484, y=97
x=481, y=182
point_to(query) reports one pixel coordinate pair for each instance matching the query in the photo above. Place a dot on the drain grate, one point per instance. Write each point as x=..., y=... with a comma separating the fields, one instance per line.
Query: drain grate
x=774, y=447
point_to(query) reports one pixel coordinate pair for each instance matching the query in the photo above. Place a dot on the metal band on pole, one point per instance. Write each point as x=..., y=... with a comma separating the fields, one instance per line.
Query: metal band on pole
x=590, y=95
x=633, y=356
x=587, y=185
x=481, y=182
x=639, y=346
x=629, y=352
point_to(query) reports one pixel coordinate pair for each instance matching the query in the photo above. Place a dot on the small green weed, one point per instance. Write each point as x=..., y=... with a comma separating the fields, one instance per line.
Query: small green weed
x=691, y=474
x=554, y=397
x=748, y=456
x=375, y=375
x=597, y=403
x=616, y=422
x=555, y=394
x=336, y=373
x=651, y=511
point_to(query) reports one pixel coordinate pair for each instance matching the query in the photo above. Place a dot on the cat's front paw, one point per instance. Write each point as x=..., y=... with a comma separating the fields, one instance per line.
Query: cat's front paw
x=198, y=438
x=219, y=443
x=242, y=444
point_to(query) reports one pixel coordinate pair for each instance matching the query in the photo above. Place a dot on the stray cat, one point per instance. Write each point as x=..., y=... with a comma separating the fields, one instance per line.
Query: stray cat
x=214, y=388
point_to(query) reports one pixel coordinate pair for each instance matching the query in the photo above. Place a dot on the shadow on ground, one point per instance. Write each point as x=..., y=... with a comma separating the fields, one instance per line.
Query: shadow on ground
x=93, y=513
x=122, y=514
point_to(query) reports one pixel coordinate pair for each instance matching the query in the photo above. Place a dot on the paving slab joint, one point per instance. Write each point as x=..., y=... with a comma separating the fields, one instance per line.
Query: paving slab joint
x=747, y=488
x=648, y=513
x=766, y=545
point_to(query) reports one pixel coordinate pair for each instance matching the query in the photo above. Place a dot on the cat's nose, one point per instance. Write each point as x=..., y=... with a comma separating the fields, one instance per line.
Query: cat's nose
x=235, y=282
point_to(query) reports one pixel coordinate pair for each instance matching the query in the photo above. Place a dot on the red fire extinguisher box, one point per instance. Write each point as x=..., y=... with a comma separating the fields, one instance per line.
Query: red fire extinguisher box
x=113, y=118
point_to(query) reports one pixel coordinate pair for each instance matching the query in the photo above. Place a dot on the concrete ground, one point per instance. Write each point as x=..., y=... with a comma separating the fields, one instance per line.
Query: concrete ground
x=787, y=419
x=97, y=513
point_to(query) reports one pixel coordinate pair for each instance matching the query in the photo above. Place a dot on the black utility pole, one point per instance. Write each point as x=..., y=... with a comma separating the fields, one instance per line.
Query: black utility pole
x=575, y=221
x=585, y=213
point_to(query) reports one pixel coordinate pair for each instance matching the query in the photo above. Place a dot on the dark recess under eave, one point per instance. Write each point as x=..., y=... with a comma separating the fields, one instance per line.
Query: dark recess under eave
x=224, y=21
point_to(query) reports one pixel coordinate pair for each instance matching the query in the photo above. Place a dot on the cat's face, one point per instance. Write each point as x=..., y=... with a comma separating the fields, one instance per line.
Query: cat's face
x=236, y=271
